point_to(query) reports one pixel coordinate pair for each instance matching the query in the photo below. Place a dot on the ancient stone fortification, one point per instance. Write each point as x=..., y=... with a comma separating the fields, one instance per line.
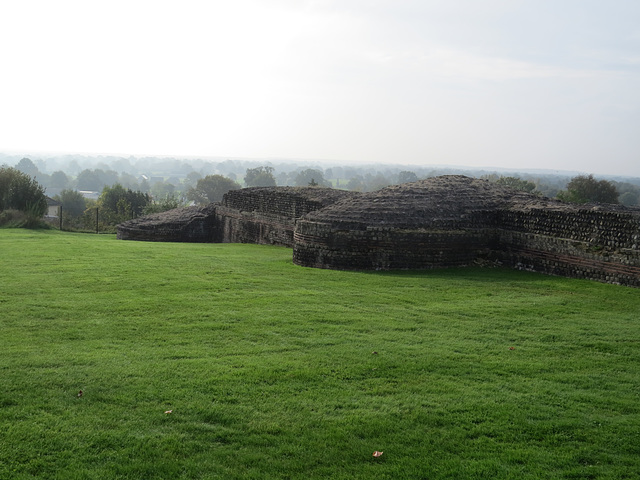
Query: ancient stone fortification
x=268, y=215
x=191, y=224
x=438, y=222
x=251, y=215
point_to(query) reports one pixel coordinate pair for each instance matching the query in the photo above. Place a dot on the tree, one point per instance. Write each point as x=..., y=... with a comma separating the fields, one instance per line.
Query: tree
x=584, y=189
x=128, y=181
x=74, y=167
x=73, y=203
x=192, y=178
x=406, y=176
x=628, y=193
x=284, y=178
x=356, y=183
x=260, y=177
x=211, y=189
x=20, y=192
x=144, y=186
x=59, y=179
x=120, y=204
x=96, y=180
x=517, y=184
x=629, y=199
x=27, y=167
x=162, y=189
x=309, y=176
x=109, y=177
x=376, y=182
x=89, y=180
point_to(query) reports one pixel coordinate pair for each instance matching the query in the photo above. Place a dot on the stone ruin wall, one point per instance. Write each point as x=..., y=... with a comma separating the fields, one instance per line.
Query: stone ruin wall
x=583, y=243
x=251, y=215
x=612, y=228
x=190, y=224
x=379, y=248
x=268, y=215
x=289, y=202
x=236, y=226
x=597, y=243
x=586, y=244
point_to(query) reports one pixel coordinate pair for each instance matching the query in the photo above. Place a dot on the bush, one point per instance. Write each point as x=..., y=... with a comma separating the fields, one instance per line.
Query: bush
x=12, y=218
x=169, y=202
x=118, y=204
x=211, y=189
x=584, y=189
x=20, y=192
x=311, y=177
x=260, y=177
x=73, y=203
x=517, y=184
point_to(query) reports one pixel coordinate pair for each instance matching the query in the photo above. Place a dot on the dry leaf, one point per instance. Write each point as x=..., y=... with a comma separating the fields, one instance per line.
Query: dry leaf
x=512, y=348
x=80, y=393
x=377, y=454
x=168, y=411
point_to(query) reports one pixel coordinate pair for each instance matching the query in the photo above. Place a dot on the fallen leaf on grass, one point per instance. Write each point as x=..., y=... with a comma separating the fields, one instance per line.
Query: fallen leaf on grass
x=377, y=454
x=168, y=411
x=512, y=348
x=80, y=393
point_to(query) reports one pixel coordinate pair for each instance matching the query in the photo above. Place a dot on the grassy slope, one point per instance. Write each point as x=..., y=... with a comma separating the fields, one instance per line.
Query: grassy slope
x=269, y=368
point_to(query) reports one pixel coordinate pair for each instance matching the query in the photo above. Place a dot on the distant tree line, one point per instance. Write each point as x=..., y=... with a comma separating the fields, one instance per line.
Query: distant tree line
x=170, y=183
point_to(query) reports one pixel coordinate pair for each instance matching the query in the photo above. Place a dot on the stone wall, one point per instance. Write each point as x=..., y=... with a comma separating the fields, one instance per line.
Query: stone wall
x=190, y=224
x=592, y=243
x=377, y=248
x=267, y=215
x=439, y=222
x=457, y=221
x=613, y=227
x=568, y=258
x=289, y=202
x=236, y=226
x=380, y=248
x=263, y=215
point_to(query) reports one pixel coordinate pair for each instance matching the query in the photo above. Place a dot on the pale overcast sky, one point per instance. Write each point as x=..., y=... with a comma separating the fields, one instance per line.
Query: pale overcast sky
x=494, y=83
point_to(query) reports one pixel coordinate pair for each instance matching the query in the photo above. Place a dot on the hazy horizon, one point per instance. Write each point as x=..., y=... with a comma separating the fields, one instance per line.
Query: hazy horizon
x=497, y=84
x=49, y=162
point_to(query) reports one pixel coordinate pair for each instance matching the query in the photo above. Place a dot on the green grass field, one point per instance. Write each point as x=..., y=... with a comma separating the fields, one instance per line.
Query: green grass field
x=276, y=371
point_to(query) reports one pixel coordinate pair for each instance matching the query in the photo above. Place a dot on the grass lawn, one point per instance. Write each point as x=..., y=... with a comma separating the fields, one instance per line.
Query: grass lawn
x=271, y=370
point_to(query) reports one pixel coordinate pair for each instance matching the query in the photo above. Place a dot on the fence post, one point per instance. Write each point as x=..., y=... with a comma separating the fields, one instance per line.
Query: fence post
x=97, y=219
x=60, y=213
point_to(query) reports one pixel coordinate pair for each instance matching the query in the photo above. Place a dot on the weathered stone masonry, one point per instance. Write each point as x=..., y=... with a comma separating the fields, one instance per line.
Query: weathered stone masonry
x=268, y=215
x=250, y=215
x=594, y=244
x=438, y=222
x=190, y=224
